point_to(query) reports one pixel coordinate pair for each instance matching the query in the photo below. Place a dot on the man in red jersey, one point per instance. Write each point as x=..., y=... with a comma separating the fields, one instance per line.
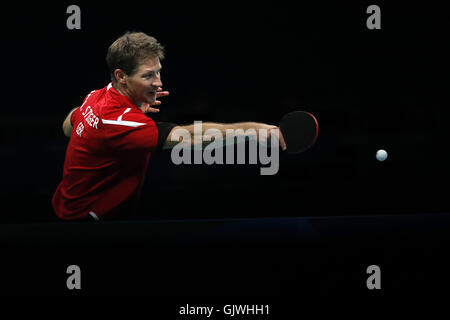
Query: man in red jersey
x=111, y=138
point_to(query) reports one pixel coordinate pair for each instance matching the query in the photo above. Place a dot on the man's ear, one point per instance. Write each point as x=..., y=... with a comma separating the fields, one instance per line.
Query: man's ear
x=120, y=76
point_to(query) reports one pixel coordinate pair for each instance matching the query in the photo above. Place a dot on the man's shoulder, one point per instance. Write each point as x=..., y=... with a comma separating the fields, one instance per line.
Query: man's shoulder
x=105, y=104
x=108, y=106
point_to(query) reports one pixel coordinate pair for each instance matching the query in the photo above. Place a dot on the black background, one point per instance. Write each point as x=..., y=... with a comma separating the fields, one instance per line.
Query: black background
x=241, y=61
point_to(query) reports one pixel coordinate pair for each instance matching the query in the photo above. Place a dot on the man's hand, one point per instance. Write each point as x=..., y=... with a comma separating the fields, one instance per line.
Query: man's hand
x=146, y=107
x=280, y=135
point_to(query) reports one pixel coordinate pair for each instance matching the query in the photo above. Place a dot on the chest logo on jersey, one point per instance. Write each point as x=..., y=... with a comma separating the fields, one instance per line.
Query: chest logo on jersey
x=90, y=118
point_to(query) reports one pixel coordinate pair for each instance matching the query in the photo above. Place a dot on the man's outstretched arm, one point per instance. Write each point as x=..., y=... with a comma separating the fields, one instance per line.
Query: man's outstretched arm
x=67, y=124
x=241, y=128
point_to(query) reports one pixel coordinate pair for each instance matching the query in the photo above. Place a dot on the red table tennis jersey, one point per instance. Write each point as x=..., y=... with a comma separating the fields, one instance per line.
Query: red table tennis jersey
x=107, y=157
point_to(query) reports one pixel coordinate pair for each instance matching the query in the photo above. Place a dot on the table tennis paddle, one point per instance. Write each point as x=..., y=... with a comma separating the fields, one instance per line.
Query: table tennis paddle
x=300, y=130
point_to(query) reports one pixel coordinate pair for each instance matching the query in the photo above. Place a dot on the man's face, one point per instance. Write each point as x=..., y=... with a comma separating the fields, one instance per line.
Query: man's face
x=142, y=84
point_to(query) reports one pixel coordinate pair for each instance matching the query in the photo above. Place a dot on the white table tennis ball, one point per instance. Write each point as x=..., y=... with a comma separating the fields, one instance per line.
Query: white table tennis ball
x=381, y=155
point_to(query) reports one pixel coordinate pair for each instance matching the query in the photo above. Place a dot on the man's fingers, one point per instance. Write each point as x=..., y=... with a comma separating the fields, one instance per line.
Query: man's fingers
x=160, y=93
x=145, y=108
x=282, y=142
x=280, y=138
x=150, y=109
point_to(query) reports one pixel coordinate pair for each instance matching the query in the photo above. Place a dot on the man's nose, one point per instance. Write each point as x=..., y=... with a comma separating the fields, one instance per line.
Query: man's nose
x=157, y=82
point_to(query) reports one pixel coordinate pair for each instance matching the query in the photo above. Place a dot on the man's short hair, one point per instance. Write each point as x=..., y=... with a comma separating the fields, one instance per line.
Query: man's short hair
x=131, y=49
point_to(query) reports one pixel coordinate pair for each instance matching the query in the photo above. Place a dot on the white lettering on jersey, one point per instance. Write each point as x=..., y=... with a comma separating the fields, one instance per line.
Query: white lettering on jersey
x=90, y=118
x=80, y=129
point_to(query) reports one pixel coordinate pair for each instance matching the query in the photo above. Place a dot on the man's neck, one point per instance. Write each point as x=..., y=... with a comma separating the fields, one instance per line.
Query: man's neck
x=124, y=92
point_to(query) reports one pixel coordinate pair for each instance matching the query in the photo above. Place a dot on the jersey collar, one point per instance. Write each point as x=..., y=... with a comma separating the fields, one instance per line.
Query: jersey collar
x=125, y=101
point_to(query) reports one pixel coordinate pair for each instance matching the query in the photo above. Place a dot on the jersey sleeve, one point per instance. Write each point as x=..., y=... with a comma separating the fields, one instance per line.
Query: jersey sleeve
x=74, y=116
x=164, y=129
x=131, y=131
